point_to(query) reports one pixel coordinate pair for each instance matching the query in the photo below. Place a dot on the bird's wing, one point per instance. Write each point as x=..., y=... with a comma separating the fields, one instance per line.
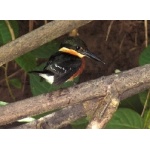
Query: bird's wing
x=63, y=67
x=61, y=78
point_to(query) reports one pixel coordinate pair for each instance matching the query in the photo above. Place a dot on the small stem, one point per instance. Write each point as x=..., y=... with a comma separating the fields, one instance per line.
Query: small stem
x=31, y=24
x=146, y=102
x=109, y=29
x=7, y=82
x=146, y=32
x=10, y=76
x=10, y=29
x=25, y=77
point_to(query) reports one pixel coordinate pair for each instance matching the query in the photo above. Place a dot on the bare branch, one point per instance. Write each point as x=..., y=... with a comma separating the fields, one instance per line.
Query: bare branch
x=57, y=119
x=126, y=84
x=62, y=117
x=37, y=38
x=105, y=109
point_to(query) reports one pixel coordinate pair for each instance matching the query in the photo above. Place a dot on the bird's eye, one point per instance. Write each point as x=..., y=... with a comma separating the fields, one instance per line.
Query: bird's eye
x=77, y=47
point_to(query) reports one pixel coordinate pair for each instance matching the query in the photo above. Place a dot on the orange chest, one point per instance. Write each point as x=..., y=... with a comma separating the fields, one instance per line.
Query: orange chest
x=80, y=70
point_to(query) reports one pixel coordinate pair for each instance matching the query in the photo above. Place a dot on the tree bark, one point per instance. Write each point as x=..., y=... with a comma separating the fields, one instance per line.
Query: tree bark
x=37, y=38
x=57, y=119
x=125, y=84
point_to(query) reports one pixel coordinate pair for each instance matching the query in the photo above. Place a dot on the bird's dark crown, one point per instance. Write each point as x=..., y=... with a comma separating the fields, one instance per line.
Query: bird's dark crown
x=74, y=43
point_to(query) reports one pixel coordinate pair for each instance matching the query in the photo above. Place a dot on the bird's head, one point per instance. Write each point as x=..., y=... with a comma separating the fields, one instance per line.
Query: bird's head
x=75, y=46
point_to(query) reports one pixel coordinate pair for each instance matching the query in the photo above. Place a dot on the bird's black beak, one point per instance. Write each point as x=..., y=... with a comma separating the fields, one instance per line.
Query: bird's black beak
x=92, y=56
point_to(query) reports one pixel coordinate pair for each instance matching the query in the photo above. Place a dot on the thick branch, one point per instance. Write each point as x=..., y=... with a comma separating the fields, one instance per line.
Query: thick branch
x=57, y=119
x=126, y=84
x=63, y=117
x=37, y=38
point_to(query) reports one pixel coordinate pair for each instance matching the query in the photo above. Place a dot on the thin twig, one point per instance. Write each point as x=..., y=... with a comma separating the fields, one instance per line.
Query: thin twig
x=24, y=81
x=146, y=32
x=10, y=76
x=31, y=24
x=120, y=46
x=146, y=102
x=135, y=44
x=10, y=30
x=109, y=29
x=7, y=82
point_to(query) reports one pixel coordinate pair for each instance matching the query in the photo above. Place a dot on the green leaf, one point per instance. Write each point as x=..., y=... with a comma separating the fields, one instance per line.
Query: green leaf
x=26, y=62
x=2, y=103
x=46, y=50
x=143, y=97
x=39, y=87
x=5, y=35
x=145, y=56
x=133, y=103
x=16, y=83
x=147, y=119
x=80, y=123
x=125, y=118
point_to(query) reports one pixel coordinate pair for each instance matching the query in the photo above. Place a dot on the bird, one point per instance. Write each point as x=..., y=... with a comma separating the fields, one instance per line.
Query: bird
x=68, y=63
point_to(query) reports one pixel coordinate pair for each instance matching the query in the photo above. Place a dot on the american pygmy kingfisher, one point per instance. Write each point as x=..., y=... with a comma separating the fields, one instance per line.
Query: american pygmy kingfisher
x=68, y=62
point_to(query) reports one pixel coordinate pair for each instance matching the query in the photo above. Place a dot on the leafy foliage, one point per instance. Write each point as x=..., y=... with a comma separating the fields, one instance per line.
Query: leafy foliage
x=46, y=50
x=5, y=35
x=147, y=119
x=143, y=97
x=133, y=103
x=145, y=56
x=26, y=62
x=125, y=118
x=80, y=123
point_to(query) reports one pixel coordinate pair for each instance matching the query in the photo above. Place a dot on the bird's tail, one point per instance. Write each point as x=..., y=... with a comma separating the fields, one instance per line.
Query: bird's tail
x=47, y=75
x=35, y=72
x=40, y=72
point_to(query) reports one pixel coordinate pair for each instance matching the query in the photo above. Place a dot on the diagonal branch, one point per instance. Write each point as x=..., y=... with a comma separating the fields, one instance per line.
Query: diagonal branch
x=63, y=117
x=57, y=119
x=103, y=113
x=126, y=83
x=37, y=38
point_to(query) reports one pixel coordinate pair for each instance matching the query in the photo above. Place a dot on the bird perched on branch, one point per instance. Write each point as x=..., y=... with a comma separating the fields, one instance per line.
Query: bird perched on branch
x=67, y=63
